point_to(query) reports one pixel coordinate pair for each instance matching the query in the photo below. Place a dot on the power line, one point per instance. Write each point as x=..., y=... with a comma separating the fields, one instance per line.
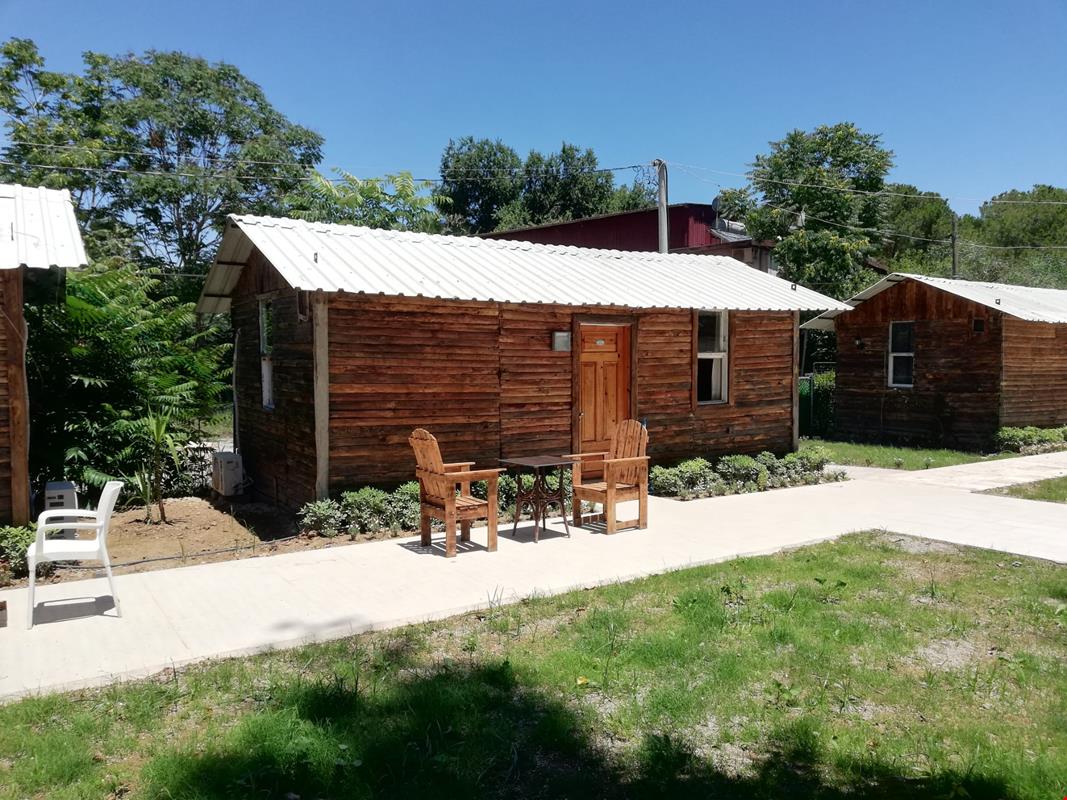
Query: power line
x=258, y=162
x=869, y=193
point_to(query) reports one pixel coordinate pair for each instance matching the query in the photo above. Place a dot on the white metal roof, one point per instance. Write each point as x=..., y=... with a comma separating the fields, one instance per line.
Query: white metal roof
x=38, y=229
x=1024, y=302
x=346, y=258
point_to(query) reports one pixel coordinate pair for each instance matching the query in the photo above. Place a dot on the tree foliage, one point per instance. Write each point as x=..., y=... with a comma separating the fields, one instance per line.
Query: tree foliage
x=488, y=187
x=102, y=364
x=397, y=202
x=163, y=144
x=817, y=197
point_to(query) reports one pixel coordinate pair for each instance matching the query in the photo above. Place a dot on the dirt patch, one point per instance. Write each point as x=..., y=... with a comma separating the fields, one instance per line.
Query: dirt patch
x=200, y=532
x=949, y=654
x=915, y=545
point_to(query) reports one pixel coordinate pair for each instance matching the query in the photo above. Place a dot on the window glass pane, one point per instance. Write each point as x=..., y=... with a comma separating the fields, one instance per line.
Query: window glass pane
x=903, y=368
x=709, y=379
x=709, y=333
x=902, y=335
x=266, y=327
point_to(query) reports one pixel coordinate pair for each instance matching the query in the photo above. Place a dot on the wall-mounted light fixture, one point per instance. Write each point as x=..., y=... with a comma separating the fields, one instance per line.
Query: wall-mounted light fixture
x=561, y=341
x=859, y=343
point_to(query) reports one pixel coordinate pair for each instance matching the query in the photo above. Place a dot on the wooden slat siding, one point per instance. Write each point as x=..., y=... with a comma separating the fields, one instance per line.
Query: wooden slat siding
x=956, y=396
x=277, y=445
x=1034, y=382
x=7, y=351
x=398, y=364
x=483, y=378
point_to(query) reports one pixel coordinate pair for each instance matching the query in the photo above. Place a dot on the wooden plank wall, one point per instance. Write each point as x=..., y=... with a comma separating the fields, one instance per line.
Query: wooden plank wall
x=955, y=398
x=1034, y=388
x=6, y=335
x=277, y=445
x=484, y=379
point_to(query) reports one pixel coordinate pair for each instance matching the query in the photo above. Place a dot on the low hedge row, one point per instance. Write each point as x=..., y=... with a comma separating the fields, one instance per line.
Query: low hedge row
x=698, y=477
x=369, y=510
x=1031, y=439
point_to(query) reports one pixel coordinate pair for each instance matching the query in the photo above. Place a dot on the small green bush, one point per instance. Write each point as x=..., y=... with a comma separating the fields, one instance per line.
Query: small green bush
x=365, y=509
x=403, y=507
x=1020, y=440
x=14, y=541
x=323, y=517
x=743, y=471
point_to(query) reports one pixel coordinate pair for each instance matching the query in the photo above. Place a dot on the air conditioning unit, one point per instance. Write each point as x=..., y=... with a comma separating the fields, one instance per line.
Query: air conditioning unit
x=227, y=474
x=61, y=494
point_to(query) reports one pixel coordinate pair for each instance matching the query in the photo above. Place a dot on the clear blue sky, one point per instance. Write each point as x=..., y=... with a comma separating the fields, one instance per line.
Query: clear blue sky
x=971, y=95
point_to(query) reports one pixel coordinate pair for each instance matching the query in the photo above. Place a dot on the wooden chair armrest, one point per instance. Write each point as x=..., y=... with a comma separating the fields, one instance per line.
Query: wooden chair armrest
x=459, y=466
x=477, y=475
x=587, y=456
x=626, y=462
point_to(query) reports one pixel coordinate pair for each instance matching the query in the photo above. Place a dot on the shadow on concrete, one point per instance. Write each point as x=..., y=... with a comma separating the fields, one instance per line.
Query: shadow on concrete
x=437, y=547
x=71, y=608
x=478, y=731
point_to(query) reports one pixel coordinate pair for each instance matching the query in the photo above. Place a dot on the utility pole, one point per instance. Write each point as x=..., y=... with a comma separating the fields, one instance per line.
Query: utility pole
x=661, y=177
x=955, y=249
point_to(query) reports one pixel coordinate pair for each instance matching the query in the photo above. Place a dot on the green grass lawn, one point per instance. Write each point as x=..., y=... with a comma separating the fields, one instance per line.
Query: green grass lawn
x=874, y=455
x=1053, y=490
x=874, y=666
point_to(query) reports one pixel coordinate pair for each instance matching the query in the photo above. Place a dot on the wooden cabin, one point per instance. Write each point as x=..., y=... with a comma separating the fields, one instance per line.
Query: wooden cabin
x=347, y=338
x=39, y=237
x=948, y=362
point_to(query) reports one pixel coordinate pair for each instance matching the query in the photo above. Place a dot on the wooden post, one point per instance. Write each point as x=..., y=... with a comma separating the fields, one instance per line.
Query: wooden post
x=796, y=380
x=14, y=325
x=321, y=344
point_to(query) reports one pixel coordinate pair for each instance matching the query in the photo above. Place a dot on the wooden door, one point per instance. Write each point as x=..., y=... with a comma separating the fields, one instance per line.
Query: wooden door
x=604, y=383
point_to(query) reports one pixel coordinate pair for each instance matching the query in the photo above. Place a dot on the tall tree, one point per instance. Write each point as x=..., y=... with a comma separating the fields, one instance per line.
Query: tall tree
x=164, y=144
x=397, y=202
x=490, y=188
x=917, y=223
x=480, y=177
x=818, y=197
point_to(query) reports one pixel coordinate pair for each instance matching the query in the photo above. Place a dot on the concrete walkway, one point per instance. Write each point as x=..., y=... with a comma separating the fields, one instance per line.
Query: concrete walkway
x=177, y=616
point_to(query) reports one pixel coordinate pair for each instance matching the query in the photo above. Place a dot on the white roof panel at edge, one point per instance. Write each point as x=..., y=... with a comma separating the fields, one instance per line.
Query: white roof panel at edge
x=38, y=229
x=346, y=258
x=1022, y=302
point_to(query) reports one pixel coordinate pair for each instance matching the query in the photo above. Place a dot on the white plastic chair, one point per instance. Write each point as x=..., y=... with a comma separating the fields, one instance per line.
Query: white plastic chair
x=43, y=550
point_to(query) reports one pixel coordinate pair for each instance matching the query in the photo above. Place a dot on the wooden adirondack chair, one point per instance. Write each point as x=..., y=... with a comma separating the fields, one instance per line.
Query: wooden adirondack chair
x=438, y=482
x=625, y=476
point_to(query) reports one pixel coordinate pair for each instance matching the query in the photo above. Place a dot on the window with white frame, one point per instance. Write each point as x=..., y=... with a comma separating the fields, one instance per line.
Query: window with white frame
x=713, y=348
x=266, y=350
x=901, y=354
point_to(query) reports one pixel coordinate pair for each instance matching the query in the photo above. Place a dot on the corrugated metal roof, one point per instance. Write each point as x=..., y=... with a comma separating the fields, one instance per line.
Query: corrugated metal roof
x=38, y=229
x=1023, y=302
x=346, y=258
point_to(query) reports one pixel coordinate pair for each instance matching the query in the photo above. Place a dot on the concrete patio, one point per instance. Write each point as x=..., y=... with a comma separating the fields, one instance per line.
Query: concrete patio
x=178, y=616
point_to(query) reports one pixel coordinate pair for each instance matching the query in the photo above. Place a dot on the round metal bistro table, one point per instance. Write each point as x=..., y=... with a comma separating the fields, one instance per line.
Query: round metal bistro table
x=540, y=495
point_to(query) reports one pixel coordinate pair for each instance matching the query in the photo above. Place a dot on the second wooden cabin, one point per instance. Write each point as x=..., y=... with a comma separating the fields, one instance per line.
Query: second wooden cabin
x=943, y=361
x=347, y=338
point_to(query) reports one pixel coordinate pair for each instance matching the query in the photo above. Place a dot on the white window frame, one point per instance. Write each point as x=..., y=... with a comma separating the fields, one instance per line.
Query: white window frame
x=723, y=355
x=894, y=355
x=266, y=352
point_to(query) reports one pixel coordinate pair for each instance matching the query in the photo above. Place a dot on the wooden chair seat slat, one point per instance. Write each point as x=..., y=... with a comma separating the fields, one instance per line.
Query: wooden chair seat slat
x=624, y=477
x=444, y=493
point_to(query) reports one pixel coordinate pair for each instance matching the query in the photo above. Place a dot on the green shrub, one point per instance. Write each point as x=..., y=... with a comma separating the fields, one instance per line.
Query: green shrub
x=365, y=509
x=812, y=459
x=745, y=472
x=402, y=508
x=692, y=476
x=323, y=517
x=1018, y=440
x=14, y=541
